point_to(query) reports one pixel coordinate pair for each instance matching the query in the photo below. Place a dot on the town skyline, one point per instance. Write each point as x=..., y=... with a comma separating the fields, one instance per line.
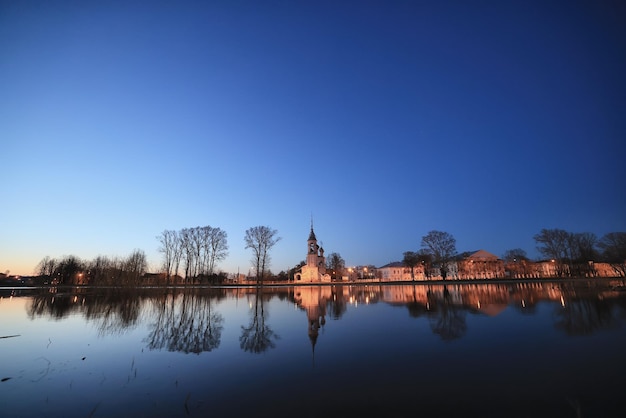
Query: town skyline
x=157, y=266
x=382, y=120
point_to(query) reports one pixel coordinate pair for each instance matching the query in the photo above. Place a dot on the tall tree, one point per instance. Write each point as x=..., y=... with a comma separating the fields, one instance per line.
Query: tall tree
x=169, y=242
x=336, y=264
x=554, y=244
x=411, y=260
x=613, y=247
x=426, y=260
x=216, y=247
x=46, y=266
x=260, y=239
x=187, y=248
x=442, y=246
x=134, y=267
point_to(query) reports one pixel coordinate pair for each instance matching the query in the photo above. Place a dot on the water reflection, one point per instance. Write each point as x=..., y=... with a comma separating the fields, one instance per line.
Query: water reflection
x=446, y=313
x=185, y=322
x=188, y=320
x=258, y=337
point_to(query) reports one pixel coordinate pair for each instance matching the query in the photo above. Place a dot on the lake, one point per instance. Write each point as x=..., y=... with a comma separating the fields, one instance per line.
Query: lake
x=517, y=349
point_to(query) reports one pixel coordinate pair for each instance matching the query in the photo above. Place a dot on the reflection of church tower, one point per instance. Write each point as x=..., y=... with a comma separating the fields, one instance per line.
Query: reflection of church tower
x=313, y=300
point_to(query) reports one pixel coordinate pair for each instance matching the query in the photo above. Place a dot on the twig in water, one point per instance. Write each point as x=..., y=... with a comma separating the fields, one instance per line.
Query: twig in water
x=186, y=400
x=93, y=410
x=49, y=342
x=10, y=336
x=46, y=371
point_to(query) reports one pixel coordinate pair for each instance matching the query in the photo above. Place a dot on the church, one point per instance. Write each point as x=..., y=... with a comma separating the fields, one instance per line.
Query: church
x=314, y=271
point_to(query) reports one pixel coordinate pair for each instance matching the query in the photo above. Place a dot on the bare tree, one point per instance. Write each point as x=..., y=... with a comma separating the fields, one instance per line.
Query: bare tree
x=517, y=262
x=554, y=244
x=216, y=247
x=582, y=250
x=186, y=244
x=411, y=260
x=613, y=246
x=46, y=266
x=573, y=253
x=67, y=270
x=134, y=267
x=169, y=243
x=426, y=260
x=260, y=239
x=442, y=246
x=515, y=255
x=336, y=264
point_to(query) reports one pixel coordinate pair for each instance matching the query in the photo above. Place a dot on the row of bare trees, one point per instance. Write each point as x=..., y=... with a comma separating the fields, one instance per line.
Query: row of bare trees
x=101, y=271
x=575, y=252
x=197, y=250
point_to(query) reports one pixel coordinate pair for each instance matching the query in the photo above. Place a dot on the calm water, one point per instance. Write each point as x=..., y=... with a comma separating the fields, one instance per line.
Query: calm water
x=524, y=349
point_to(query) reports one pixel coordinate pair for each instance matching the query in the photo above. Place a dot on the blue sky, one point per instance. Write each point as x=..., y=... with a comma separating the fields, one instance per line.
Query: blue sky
x=383, y=120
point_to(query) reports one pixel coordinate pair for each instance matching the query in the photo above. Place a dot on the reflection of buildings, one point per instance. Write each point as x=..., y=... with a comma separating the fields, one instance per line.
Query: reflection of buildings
x=315, y=269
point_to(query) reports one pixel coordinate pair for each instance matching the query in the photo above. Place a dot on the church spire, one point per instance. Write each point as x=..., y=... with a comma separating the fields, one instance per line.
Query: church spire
x=312, y=234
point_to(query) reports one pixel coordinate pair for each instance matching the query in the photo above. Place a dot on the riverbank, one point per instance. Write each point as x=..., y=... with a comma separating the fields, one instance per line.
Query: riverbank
x=335, y=283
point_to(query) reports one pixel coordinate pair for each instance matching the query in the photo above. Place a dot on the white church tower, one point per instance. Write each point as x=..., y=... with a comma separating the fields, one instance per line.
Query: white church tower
x=315, y=269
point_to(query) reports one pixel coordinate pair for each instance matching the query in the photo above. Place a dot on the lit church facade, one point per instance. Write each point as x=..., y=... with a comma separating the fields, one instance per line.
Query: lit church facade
x=314, y=271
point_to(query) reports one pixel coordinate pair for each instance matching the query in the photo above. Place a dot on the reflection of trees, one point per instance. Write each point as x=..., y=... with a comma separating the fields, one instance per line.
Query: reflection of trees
x=112, y=310
x=416, y=309
x=447, y=319
x=56, y=307
x=185, y=322
x=257, y=337
x=585, y=316
x=337, y=304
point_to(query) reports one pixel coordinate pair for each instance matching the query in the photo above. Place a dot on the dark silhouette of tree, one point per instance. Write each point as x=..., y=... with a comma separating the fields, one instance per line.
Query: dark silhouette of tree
x=169, y=244
x=426, y=260
x=260, y=239
x=336, y=264
x=257, y=337
x=46, y=267
x=442, y=247
x=553, y=244
x=67, y=270
x=411, y=260
x=573, y=253
x=515, y=255
x=517, y=263
x=613, y=247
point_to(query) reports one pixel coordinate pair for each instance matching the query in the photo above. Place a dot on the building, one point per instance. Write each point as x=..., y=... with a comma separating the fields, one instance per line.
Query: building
x=479, y=264
x=314, y=271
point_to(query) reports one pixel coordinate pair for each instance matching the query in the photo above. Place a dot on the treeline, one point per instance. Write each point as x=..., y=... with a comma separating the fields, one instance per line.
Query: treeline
x=101, y=271
x=571, y=254
x=575, y=252
x=194, y=251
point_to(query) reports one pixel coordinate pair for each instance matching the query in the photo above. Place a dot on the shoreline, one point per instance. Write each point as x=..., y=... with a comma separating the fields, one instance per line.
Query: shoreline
x=336, y=283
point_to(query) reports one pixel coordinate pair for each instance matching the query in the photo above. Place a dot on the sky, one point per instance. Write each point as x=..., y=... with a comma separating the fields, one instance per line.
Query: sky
x=379, y=120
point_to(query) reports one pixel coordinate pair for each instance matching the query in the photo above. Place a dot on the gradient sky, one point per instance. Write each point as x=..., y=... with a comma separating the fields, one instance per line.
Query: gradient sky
x=383, y=120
